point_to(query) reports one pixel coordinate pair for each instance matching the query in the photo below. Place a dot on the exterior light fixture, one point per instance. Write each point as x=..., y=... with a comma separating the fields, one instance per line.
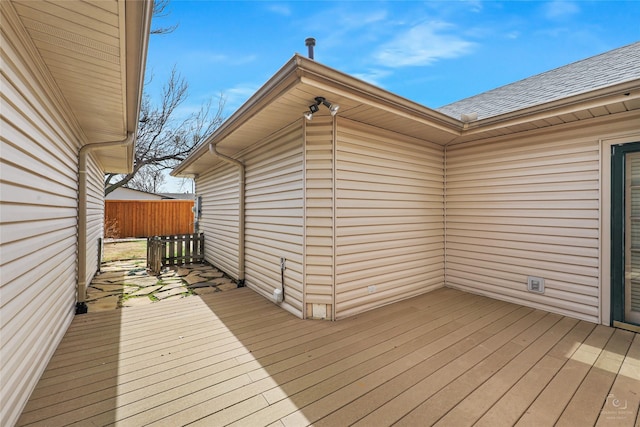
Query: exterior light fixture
x=313, y=108
x=333, y=108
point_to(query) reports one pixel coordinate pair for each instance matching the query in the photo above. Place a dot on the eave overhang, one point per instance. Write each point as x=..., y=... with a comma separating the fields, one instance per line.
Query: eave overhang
x=615, y=99
x=92, y=56
x=287, y=95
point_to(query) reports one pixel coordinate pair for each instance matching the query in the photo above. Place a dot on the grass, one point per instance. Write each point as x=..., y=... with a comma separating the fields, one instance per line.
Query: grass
x=124, y=250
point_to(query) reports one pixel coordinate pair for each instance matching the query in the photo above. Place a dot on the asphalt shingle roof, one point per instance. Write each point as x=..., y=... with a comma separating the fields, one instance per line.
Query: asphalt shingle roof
x=607, y=69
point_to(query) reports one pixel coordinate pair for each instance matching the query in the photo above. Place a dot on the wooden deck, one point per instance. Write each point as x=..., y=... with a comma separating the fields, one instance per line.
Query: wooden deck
x=446, y=358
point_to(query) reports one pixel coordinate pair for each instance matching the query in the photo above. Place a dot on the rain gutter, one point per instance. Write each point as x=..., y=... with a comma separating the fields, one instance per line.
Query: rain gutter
x=81, y=289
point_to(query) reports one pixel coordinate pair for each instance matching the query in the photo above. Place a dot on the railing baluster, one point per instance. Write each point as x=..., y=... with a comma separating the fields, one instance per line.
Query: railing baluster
x=174, y=250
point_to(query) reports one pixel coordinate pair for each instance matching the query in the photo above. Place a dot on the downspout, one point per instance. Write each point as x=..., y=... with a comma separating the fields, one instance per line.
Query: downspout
x=81, y=290
x=241, y=184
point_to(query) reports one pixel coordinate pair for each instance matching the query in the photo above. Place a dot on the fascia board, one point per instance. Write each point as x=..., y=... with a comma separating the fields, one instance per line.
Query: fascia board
x=618, y=93
x=284, y=79
x=327, y=78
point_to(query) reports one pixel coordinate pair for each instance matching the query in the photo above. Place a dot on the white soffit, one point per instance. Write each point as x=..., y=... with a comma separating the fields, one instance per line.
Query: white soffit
x=84, y=48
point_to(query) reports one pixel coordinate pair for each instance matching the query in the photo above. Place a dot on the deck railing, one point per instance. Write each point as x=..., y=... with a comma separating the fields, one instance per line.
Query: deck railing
x=174, y=250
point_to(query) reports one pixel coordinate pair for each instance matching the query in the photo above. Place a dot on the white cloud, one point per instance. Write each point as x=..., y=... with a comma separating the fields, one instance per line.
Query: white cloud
x=559, y=9
x=361, y=19
x=373, y=76
x=474, y=5
x=422, y=45
x=342, y=25
x=236, y=96
x=279, y=9
x=206, y=57
x=512, y=35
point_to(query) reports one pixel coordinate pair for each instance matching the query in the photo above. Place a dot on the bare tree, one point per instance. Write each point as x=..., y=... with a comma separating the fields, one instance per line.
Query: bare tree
x=160, y=11
x=148, y=179
x=165, y=139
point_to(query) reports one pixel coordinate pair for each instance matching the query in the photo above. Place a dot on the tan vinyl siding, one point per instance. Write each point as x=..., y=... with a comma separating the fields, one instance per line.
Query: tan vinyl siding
x=274, y=209
x=523, y=207
x=38, y=218
x=95, y=216
x=219, y=190
x=389, y=218
x=319, y=216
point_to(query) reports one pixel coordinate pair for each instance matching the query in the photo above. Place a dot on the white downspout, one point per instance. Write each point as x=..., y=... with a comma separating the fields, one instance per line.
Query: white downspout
x=81, y=290
x=241, y=168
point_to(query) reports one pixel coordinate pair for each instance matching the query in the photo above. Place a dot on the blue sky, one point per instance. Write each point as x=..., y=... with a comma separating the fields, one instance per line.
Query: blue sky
x=432, y=52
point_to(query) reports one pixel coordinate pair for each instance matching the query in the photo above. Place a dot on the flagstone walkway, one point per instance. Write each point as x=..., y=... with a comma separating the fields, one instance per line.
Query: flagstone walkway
x=128, y=283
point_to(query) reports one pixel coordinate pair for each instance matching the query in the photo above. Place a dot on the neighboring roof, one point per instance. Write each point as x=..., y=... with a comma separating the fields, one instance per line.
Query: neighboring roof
x=124, y=193
x=604, y=70
x=93, y=56
x=177, y=196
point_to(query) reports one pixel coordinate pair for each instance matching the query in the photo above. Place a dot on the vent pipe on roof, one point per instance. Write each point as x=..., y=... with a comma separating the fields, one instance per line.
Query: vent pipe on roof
x=310, y=43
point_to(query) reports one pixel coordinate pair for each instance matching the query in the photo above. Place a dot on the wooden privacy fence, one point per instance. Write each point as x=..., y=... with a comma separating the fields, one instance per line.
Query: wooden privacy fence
x=147, y=218
x=174, y=250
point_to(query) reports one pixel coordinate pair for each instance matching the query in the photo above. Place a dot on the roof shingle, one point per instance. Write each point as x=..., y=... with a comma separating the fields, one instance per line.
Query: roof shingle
x=607, y=69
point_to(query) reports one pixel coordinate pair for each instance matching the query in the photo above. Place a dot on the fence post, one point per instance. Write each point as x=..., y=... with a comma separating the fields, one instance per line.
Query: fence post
x=149, y=252
x=154, y=250
x=200, y=250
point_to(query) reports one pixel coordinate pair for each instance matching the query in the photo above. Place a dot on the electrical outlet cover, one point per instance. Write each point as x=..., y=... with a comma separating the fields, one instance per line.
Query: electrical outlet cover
x=535, y=284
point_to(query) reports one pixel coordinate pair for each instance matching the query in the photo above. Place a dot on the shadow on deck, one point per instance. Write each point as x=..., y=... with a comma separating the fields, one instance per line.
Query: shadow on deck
x=445, y=357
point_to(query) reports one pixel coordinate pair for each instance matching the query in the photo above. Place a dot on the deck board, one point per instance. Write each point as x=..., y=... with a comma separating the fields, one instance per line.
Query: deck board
x=234, y=358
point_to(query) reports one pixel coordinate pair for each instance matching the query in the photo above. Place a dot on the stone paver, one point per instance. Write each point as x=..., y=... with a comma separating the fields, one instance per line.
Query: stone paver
x=167, y=286
x=201, y=285
x=211, y=274
x=182, y=271
x=141, y=281
x=194, y=278
x=128, y=284
x=146, y=291
x=111, y=287
x=110, y=275
x=227, y=286
x=170, y=292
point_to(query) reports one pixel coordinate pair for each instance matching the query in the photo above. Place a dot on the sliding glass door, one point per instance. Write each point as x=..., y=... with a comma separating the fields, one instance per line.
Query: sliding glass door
x=625, y=233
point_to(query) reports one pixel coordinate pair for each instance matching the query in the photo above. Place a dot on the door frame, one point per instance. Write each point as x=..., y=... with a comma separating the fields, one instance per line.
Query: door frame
x=618, y=227
x=605, y=306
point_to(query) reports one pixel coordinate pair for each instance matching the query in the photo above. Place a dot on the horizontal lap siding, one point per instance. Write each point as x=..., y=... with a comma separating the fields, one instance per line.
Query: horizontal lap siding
x=389, y=218
x=274, y=209
x=219, y=222
x=38, y=222
x=527, y=207
x=319, y=214
x=95, y=217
